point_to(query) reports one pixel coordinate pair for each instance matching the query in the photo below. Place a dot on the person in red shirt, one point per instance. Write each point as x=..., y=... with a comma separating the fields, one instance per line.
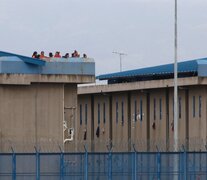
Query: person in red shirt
x=42, y=55
x=57, y=55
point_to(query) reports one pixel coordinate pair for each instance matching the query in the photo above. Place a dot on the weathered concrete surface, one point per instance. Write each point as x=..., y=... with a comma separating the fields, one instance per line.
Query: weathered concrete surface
x=70, y=115
x=35, y=99
x=157, y=107
x=25, y=79
x=154, y=84
x=31, y=114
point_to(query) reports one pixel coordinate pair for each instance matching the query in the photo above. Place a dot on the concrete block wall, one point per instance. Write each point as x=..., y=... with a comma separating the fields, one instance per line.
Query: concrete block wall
x=156, y=127
x=120, y=121
x=139, y=119
x=70, y=115
x=197, y=117
x=158, y=124
x=31, y=115
x=84, y=130
x=101, y=122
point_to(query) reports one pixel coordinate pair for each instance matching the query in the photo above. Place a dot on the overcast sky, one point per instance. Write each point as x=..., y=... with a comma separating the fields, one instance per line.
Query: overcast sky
x=143, y=29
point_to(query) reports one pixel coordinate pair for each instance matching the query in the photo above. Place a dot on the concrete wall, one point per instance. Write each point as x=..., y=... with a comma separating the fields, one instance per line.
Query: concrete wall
x=139, y=118
x=38, y=101
x=70, y=115
x=101, y=122
x=197, y=120
x=31, y=115
x=120, y=121
x=183, y=117
x=84, y=129
x=157, y=125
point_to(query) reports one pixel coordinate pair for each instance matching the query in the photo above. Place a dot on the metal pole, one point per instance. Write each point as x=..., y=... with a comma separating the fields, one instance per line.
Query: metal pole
x=175, y=86
x=37, y=164
x=185, y=165
x=134, y=163
x=109, y=165
x=86, y=164
x=61, y=164
x=175, y=98
x=13, y=164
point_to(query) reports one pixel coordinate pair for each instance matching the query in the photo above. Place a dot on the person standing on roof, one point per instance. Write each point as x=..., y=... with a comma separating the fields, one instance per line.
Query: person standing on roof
x=75, y=54
x=50, y=55
x=42, y=55
x=34, y=55
x=84, y=56
x=66, y=55
x=57, y=55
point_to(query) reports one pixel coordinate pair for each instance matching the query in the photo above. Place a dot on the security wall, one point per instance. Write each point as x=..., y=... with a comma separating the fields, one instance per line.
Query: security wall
x=183, y=117
x=120, y=121
x=197, y=117
x=139, y=118
x=31, y=116
x=70, y=116
x=101, y=122
x=158, y=120
x=144, y=119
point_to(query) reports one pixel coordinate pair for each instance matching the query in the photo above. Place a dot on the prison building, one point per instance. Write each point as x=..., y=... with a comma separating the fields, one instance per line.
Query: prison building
x=38, y=101
x=135, y=109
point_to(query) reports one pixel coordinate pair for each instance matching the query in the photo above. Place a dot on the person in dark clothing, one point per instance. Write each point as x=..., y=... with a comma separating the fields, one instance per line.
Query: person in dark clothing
x=50, y=55
x=75, y=54
x=38, y=56
x=34, y=55
x=84, y=56
x=66, y=55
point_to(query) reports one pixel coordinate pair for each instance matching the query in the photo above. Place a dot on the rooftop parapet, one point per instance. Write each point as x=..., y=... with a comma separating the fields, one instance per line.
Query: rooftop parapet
x=60, y=68
x=16, y=64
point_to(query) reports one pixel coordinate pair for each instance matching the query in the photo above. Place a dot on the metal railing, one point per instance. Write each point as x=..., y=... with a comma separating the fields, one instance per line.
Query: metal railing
x=102, y=166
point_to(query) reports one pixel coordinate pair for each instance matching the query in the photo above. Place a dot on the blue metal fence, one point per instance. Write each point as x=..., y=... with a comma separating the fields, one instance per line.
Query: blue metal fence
x=103, y=166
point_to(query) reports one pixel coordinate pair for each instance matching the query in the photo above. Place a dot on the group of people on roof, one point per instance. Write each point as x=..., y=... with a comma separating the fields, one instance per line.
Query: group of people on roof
x=56, y=55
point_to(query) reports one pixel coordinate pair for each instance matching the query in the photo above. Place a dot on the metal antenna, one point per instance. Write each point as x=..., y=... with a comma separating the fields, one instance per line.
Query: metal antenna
x=120, y=56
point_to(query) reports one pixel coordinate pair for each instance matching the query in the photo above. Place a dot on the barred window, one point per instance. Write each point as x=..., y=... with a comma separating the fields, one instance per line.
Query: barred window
x=200, y=105
x=81, y=114
x=117, y=111
x=141, y=111
x=179, y=107
x=122, y=113
x=135, y=110
x=99, y=113
x=194, y=112
x=86, y=114
x=154, y=109
x=104, y=113
x=160, y=108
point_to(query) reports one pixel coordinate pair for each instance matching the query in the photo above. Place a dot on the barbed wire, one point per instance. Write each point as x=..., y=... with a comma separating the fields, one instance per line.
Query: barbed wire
x=192, y=144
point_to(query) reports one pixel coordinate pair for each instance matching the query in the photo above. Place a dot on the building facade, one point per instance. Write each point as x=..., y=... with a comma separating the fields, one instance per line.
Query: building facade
x=135, y=109
x=38, y=103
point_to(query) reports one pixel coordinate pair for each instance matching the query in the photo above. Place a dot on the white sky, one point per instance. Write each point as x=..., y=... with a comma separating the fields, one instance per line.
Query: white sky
x=143, y=29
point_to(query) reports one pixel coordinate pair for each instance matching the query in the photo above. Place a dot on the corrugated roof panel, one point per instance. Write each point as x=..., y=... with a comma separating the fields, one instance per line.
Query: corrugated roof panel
x=186, y=66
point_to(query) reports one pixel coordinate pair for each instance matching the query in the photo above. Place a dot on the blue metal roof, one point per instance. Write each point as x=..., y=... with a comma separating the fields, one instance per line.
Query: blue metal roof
x=26, y=59
x=192, y=66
